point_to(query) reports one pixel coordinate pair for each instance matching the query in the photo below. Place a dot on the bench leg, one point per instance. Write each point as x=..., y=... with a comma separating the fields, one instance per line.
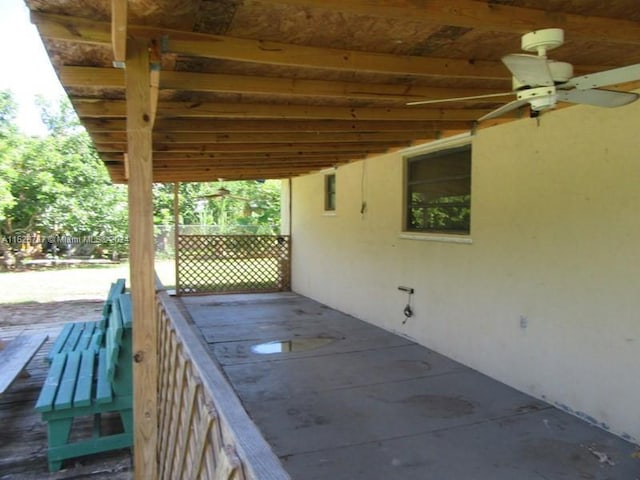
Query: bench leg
x=58, y=434
x=127, y=420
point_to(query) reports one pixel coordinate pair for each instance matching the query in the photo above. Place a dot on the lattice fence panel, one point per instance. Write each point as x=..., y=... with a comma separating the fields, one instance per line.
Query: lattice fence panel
x=233, y=263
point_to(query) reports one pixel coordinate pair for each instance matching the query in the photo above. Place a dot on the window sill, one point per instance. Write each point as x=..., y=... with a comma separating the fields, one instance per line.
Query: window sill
x=329, y=213
x=436, y=237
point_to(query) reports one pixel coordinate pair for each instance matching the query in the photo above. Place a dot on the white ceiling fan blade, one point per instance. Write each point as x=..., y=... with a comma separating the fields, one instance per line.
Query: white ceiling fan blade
x=608, y=77
x=598, y=98
x=504, y=109
x=459, y=99
x=530, y=70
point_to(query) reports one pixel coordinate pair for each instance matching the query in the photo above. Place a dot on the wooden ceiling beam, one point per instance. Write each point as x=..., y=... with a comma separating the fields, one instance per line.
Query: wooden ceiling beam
x=259, y=147
x=73, y=76
x=116, y=109
x=286, y=137
x=280, y=147
x=213, y=174
x=277, y=156
x=167, y=164
x=81, y=30
x=485, y=15
x=202, y=125
x=119, y=32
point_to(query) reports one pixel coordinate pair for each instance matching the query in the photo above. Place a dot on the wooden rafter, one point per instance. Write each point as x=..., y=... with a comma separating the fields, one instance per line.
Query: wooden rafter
x=74, y=76
x=116, y=108
x=277, y=137
x=292, y=126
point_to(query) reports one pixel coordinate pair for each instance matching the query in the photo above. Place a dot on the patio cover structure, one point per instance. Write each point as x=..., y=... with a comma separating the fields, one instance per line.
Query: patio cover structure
x=186, y=90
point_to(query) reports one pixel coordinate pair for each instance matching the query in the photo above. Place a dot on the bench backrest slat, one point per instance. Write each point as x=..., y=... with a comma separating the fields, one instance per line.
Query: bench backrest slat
x=114, y=336
x=104, y=393
x=116, y=289
x=121, y=379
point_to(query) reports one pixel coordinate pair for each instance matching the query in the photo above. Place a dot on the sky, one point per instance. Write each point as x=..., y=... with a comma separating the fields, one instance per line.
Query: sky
x=25, y=68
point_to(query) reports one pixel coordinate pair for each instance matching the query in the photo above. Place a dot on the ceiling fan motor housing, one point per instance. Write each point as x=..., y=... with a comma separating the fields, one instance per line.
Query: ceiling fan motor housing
x=542, y=40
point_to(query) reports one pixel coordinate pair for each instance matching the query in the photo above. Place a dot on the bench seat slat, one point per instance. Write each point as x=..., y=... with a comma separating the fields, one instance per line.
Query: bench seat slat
x=64, y=398
x=58, y=345
x=85, y=337
x=51, y=384
x=73, y=338
x=82, y=395
x=96, y=341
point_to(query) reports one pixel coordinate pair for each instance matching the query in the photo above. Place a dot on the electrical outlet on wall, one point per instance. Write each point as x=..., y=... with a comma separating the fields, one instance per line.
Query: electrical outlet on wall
x=524, y=321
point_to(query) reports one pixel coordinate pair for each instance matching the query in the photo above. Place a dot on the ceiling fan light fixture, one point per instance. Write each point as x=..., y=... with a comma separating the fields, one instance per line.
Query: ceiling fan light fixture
x=561, y=72
x=541, y=98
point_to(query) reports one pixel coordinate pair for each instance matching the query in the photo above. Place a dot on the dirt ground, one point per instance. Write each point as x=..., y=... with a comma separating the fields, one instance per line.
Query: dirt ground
x=49, y=295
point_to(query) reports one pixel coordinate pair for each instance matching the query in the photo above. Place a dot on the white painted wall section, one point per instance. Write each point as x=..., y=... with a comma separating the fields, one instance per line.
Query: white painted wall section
x=555, y=225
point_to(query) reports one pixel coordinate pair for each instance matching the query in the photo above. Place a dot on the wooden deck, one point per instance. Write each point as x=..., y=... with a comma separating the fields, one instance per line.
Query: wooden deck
x=23, y=434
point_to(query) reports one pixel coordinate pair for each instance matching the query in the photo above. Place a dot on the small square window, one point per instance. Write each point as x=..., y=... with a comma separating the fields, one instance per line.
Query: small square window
x=438, y=192
x=330, y=192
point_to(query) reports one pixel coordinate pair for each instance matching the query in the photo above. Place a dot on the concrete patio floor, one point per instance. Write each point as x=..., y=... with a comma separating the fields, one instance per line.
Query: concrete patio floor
x=369, y=404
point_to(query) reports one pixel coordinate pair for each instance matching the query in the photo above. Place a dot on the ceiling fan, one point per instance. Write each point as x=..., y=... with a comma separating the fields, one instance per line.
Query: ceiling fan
x=542, y=82
x=221, y=193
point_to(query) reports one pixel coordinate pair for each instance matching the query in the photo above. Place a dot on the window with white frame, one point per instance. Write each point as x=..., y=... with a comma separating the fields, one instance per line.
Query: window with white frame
x=330, y=192
x=438, y=191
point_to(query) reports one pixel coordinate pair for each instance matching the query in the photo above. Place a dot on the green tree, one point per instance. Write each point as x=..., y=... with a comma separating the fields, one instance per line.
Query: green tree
x=8, y=142
x=60, y=186
x=251, y=207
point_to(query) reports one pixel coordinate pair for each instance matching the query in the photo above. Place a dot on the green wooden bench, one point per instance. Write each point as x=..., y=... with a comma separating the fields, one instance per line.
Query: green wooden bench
x=86, y=335
x=81, y=383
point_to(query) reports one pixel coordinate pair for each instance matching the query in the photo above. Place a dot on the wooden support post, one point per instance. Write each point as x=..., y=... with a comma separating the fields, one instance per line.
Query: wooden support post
x=176, y=231
x=145, y=333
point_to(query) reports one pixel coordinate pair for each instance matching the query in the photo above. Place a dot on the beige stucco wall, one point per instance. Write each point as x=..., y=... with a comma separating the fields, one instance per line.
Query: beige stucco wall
x=555, y=229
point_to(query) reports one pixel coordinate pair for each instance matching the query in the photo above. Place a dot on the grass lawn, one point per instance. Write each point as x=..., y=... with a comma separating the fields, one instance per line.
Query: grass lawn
x=71, y=283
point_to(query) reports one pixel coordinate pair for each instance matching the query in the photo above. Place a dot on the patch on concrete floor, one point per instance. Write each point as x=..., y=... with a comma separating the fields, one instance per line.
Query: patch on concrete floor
x=292, y=345
x=440, y=406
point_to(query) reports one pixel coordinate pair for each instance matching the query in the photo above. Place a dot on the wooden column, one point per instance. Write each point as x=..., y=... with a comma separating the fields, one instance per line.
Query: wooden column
x=176, y=231
x=145, y=334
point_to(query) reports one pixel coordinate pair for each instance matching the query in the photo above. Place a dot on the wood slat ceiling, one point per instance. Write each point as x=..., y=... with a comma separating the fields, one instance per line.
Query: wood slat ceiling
x=278, y=88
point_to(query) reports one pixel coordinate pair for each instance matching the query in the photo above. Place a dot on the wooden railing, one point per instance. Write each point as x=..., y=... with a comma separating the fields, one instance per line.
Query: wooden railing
x=204, y=432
